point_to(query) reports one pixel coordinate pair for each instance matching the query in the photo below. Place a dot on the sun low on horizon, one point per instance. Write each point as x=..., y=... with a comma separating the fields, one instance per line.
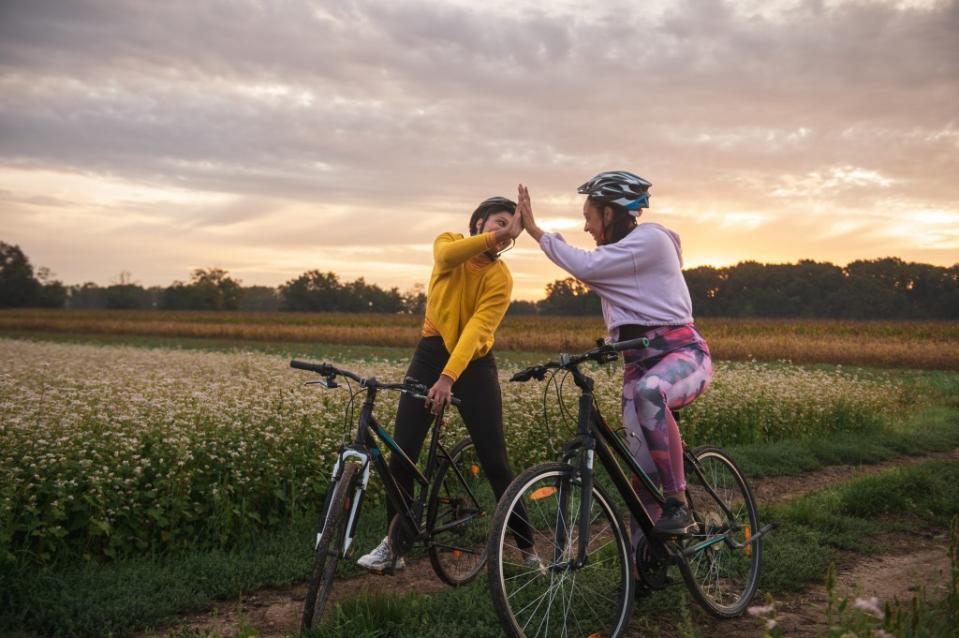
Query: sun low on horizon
x=274, y=138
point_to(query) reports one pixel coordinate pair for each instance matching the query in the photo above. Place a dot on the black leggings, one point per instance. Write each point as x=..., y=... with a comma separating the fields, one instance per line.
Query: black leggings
x=482, y=412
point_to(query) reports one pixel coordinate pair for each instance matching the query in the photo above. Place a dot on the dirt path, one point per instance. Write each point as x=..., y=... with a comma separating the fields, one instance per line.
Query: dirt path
x=902, y=567
x=276, y=612
x=781, y=488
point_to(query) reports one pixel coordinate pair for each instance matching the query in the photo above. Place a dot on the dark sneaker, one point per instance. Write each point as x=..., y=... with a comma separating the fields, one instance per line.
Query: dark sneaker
x=676, y=519
x=641, y=590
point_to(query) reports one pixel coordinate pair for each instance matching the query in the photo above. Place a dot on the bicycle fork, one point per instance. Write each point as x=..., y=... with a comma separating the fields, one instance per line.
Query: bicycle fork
x=347, y=455
x=584, y=448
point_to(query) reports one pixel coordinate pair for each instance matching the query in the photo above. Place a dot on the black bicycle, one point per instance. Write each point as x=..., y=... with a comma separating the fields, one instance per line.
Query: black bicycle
x=454, y=494
x=584, y=584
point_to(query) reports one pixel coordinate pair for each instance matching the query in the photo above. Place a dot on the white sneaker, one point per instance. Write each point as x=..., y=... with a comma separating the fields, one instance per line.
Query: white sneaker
x=380, y=558
x=532, y=561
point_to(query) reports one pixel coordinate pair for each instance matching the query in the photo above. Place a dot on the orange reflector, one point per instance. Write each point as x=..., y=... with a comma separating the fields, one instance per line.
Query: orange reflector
x=457, y=553
x=749, y=546
x=475, y=469
x=597, y=635
x=542, y=492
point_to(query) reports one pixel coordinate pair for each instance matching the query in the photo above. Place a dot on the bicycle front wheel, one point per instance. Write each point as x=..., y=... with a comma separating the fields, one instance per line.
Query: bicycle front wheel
x=555, y=595
x=458, y=516
x=330, y=546
x=722, y=562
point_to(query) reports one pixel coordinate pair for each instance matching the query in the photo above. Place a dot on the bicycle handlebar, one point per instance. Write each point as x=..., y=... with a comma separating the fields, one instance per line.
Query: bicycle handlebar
x=410, y=386
x=603, y=353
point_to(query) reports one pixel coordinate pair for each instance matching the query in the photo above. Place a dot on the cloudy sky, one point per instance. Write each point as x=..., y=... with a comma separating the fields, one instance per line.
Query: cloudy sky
x=270, y=138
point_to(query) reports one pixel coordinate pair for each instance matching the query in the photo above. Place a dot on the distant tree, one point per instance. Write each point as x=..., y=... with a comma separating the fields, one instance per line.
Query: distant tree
x=86, y=296
x=312, y=291
x=519, y=307
x=322, y=292
x=18, y=286
x=259, y=299
x=569, y=297
x=359, y=296
x=414, y=300
x=704, y=284
x=124, y=296
x=51, y=293
x=209, y=289
x=124, y=293
x=947, y=306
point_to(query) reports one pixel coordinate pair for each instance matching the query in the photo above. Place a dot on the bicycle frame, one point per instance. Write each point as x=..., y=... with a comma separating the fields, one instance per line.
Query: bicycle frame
x=364, y=449
x=595, y=437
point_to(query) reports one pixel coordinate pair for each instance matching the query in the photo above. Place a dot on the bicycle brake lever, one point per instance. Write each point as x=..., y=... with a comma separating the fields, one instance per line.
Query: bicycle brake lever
x=326, y=383
x=416, y=384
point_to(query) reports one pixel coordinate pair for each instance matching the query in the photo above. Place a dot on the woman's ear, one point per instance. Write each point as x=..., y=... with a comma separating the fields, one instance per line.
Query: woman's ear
x=608, y=215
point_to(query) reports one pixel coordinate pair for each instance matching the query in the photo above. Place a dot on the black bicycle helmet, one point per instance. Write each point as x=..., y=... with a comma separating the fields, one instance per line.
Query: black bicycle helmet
x=619, y=187
x=488, y=207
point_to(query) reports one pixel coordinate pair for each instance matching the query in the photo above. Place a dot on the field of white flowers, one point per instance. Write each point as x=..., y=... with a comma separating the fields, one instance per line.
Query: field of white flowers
x=112, y=451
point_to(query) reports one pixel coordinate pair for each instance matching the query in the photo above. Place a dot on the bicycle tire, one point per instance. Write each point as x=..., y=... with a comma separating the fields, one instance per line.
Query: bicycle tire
x=601, y=602
x=721, y=578
x=459, y=554
x=327, y=552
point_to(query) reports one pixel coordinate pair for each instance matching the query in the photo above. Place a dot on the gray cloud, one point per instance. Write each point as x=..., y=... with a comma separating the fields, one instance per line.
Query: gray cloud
x=388, y=105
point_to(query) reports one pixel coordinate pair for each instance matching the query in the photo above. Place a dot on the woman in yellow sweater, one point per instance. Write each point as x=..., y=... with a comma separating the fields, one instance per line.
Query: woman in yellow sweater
x=467, y=298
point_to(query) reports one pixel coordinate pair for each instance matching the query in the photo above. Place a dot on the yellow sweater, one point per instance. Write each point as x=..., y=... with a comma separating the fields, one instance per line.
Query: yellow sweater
x=466, y=300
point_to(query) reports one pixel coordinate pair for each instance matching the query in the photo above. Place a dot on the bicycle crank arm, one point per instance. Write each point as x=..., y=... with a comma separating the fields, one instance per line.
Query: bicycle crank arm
x=724, y=538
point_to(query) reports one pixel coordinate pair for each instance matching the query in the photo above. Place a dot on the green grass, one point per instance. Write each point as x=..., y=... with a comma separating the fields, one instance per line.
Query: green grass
x=934, y=429
x=134, y=594
x=137, y=594
x=814, y=528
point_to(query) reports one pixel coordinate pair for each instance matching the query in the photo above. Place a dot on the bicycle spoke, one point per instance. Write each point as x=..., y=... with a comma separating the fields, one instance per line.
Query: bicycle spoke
x=562, y=598
x=722, y=577
x=457, y=525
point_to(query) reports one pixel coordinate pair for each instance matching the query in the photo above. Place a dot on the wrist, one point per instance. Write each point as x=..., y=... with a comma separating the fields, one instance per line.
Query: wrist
x=535, y=232
x=501, y=236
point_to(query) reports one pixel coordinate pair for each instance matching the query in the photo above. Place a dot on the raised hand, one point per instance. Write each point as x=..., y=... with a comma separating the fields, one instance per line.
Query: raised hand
x=515, y=227
x=525, y=208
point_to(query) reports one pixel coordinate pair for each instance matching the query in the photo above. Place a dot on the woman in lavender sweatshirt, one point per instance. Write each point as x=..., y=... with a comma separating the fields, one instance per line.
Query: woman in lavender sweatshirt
x=636, y=269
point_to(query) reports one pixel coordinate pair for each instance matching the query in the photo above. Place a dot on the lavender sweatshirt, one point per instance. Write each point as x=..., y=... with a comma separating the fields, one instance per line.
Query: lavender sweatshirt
x=639, y=279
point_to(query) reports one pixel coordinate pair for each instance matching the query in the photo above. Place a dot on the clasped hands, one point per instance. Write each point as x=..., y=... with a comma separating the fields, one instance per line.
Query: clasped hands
x=522, y=220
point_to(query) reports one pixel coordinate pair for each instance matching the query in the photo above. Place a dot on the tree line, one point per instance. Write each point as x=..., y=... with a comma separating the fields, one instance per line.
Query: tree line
x=887, y=288
x=207, y=289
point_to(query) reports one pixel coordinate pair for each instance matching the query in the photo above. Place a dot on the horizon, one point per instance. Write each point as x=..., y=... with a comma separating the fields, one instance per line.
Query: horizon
x=127, y=278
x=270, y=140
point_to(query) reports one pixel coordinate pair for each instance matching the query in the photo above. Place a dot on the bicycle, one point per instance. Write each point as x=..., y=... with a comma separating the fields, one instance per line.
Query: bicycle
x=453, y=492
x=584, y=584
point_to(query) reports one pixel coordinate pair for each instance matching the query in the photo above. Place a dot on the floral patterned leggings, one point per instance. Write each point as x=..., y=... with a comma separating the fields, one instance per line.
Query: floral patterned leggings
x=667, y=375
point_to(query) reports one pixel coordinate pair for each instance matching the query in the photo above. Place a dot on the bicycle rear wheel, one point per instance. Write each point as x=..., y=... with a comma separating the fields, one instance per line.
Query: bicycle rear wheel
x=458, y=516
x=721, y=577
x=556, y=597
x=328, y=550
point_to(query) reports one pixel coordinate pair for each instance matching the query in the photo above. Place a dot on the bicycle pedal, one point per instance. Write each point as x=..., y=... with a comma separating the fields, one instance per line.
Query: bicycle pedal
x=675, y=535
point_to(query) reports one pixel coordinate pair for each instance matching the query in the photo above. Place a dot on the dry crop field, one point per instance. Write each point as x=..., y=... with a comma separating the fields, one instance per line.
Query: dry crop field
x=887, y=344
